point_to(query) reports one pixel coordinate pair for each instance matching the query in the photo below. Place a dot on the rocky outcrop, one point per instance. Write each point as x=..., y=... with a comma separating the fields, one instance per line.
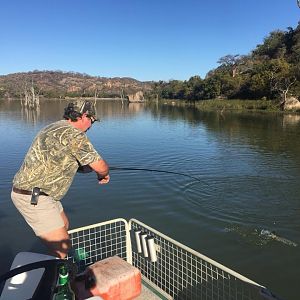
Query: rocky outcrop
x=136, y=97
x=292, y=103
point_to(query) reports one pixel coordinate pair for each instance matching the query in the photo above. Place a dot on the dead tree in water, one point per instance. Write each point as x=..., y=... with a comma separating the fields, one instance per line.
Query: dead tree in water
x=122, y=95
x=31, y=97
x=96, y=94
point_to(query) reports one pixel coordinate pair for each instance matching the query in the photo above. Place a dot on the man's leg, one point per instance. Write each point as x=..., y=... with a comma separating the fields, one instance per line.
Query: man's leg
x=48, y=221
x=57, y=241
x=65, y=219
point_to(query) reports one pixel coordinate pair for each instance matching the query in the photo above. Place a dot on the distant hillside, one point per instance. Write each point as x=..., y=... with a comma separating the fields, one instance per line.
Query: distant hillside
x=58, y=84
x=271, y=71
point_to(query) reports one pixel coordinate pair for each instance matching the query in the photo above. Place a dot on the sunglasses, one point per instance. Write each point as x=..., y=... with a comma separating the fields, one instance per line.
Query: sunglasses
x=93, y=120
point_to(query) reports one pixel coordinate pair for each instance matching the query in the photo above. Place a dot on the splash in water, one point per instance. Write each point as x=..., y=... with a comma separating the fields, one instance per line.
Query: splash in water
x=259, y=236
x=271, y=235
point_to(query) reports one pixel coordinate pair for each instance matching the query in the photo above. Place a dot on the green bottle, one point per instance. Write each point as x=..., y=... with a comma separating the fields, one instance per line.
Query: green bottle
x=80, y=254
x=63, y=290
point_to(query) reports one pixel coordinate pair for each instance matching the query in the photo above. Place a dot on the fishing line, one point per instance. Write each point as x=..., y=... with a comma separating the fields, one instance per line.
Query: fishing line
x=153, y=170
x=88, y=169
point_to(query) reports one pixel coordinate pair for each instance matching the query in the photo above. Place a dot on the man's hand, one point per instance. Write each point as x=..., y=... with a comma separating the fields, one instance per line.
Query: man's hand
x=102, y=169
x=104, y=179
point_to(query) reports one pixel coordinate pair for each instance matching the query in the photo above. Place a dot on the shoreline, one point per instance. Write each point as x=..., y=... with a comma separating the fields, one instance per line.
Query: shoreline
x=205, y=105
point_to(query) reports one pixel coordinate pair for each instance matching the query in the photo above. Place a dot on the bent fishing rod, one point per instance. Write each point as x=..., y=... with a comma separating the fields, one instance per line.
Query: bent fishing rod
x=153, y=170
x=88, y=169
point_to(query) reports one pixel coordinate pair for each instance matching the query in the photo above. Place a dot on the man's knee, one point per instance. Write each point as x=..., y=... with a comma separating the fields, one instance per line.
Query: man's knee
x=57, y=241
x=62, y=250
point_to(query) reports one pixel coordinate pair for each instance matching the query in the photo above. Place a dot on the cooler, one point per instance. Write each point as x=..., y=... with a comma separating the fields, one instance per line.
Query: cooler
x=111, y=278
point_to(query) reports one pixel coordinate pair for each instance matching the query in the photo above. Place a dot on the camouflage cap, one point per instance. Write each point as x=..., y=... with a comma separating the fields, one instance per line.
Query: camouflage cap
x=80, y=107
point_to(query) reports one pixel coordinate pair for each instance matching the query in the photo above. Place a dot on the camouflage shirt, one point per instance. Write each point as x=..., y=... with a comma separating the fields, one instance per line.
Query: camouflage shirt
x=53, y=159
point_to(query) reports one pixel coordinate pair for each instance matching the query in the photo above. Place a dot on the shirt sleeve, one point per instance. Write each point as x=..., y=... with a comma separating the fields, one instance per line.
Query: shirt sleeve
x=84, y=151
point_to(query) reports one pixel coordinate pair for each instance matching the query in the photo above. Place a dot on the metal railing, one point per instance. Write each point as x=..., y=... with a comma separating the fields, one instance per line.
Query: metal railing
x=186, y=274
x=98, y=241
x=165, y=263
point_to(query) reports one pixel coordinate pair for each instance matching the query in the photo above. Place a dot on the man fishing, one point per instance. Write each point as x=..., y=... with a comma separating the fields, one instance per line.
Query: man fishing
x=48, y=171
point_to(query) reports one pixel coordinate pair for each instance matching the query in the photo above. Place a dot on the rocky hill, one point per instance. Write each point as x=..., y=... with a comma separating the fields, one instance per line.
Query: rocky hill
x=58, y=84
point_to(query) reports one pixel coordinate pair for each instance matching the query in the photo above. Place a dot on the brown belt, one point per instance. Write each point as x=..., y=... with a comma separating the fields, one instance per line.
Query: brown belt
x=24, y=192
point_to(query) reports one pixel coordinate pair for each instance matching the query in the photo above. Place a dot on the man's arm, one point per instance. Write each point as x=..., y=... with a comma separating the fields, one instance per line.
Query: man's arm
x=102, y=170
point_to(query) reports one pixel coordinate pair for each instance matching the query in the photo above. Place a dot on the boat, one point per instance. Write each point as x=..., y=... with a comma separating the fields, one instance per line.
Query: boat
x=169, y=269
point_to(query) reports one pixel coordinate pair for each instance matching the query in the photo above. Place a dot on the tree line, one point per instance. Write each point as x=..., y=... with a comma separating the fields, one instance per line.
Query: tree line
x=271, y=71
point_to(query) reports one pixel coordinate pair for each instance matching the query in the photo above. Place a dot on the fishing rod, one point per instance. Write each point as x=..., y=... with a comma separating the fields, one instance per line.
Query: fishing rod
x=153, y=170
x=88, y=169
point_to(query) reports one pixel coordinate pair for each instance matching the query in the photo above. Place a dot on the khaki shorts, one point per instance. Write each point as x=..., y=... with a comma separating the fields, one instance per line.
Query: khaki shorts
x=43, y=217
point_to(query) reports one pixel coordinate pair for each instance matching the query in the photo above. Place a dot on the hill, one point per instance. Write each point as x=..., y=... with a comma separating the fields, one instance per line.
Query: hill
x=58, y=84
x=271, y=71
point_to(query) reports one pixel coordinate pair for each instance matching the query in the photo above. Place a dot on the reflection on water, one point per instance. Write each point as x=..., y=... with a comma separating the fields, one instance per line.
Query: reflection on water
x=269, y=131
x=247, y=167
x=51, y=110
x=291, y=119
x=135, y=107
x=30, y=115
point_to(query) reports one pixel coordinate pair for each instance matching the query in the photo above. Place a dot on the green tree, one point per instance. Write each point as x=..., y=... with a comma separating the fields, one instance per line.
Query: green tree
x=211, y=88
x=194, y=88
x=273, y=46
x=230, y=63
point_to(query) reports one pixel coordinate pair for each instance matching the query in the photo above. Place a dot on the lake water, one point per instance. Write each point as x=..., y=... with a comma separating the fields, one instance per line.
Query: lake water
x=248, y=166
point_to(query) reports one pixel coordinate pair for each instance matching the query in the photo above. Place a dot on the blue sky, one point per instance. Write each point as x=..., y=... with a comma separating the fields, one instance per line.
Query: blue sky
x=142, y=39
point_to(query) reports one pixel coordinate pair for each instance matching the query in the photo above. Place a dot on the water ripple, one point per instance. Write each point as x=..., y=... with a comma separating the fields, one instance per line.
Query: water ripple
x=236, y=199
